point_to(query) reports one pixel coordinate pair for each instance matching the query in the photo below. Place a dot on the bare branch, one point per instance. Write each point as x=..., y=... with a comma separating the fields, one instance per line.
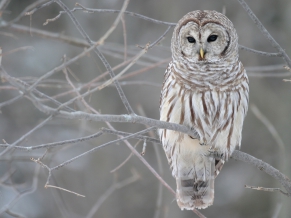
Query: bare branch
x=267, y=168
x=150, y=139
x=11, y=101
x=23, y=88
x=113, y=79
x=264, y=75
x=265, y=32
x=3, y=5
x=13, y=214
x=23, y=193
x=54, y=144
x=125, y=161
x=160, y=168
x=34, y=7
x=92, y=10
x=69, y=62
x=38, y=6
x=267, y=54
x=160, y=38
x=63, y=189
x=124, y=36
x=109, y=191
x=266, y=189
x=270, y=127
x=277, y=210
x=49, y=35
x=7, y=149
x=99, y=54
x=101, y=146
x=265, y=68
x=24, y=48
x=128, y=119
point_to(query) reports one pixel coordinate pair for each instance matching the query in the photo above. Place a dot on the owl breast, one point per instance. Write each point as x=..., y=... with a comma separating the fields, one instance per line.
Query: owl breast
x=215, y=112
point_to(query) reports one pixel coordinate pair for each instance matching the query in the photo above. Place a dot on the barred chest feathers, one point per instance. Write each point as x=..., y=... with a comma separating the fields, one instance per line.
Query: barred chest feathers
x=216, y=112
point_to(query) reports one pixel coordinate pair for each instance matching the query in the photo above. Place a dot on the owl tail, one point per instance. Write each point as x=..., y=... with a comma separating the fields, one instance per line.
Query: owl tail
x=195, y=185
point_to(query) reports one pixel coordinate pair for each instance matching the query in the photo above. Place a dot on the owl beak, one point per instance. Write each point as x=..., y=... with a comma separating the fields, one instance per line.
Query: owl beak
x=201, y=53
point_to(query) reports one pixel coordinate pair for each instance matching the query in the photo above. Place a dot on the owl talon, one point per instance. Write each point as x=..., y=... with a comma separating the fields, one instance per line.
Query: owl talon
x=216, y=154
x=192, y=137
x=203, y=142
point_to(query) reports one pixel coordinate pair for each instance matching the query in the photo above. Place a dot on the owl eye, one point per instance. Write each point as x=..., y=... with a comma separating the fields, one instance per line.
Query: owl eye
x=191, y=39
x=212, y=38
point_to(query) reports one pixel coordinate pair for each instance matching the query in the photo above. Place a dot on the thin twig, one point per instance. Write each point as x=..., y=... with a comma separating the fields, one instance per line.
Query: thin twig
x=90, y=84
x=14, y=214
x=265, y=68
x=125, y=161
x=39, y=7
x=23, y=48
x=273, y=75
x=22, y=194
x=265, y=32
x=279, y=141
x=11, y=146
x=63, y=189
x=145, y=69
x=124, y=37
x=113, y=79
x=277, y=210
x=160, y=38
x=109, y=191
x=34, y=6
x=267, y=54
x=272, y=130
x=101, y=146
x=3, y=5
x=23, y=88
x=10, y=101
x=99, y=54
x=266, y=189
x=54, y=144
x=49, y=35
x=160, y=168
x=69, y=62
x=92, y=10
x=267, y=168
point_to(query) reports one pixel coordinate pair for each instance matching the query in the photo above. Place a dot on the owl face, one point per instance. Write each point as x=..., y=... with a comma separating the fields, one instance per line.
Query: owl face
x=205, y=37
x=206, y=43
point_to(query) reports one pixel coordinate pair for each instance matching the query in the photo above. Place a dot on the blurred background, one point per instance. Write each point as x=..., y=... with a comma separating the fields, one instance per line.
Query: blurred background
x=28, y=55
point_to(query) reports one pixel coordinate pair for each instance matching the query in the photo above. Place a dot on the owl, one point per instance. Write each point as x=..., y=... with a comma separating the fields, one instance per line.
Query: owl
x=206, y=89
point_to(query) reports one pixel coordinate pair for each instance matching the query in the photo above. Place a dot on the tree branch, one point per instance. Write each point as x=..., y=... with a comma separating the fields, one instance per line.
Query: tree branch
x=265, y=32
x=99, y=54
x=267, y=168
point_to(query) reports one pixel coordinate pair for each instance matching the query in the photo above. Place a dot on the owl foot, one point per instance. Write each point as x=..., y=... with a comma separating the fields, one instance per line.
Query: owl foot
x=195, y=134
x=215, y=153
x=202, y=142
x=192, y=137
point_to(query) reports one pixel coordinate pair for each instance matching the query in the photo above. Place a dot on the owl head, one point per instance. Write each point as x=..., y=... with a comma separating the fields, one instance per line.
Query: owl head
x=205, y=37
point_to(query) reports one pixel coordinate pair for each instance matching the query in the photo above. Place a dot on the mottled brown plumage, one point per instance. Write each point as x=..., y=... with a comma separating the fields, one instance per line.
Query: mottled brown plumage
x=206, y=89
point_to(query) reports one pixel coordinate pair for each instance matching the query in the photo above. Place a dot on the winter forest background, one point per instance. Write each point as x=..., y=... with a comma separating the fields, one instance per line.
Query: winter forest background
x=48, y=67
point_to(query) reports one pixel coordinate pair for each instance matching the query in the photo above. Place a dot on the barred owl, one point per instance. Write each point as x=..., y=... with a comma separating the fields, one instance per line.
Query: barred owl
x=205, y=88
